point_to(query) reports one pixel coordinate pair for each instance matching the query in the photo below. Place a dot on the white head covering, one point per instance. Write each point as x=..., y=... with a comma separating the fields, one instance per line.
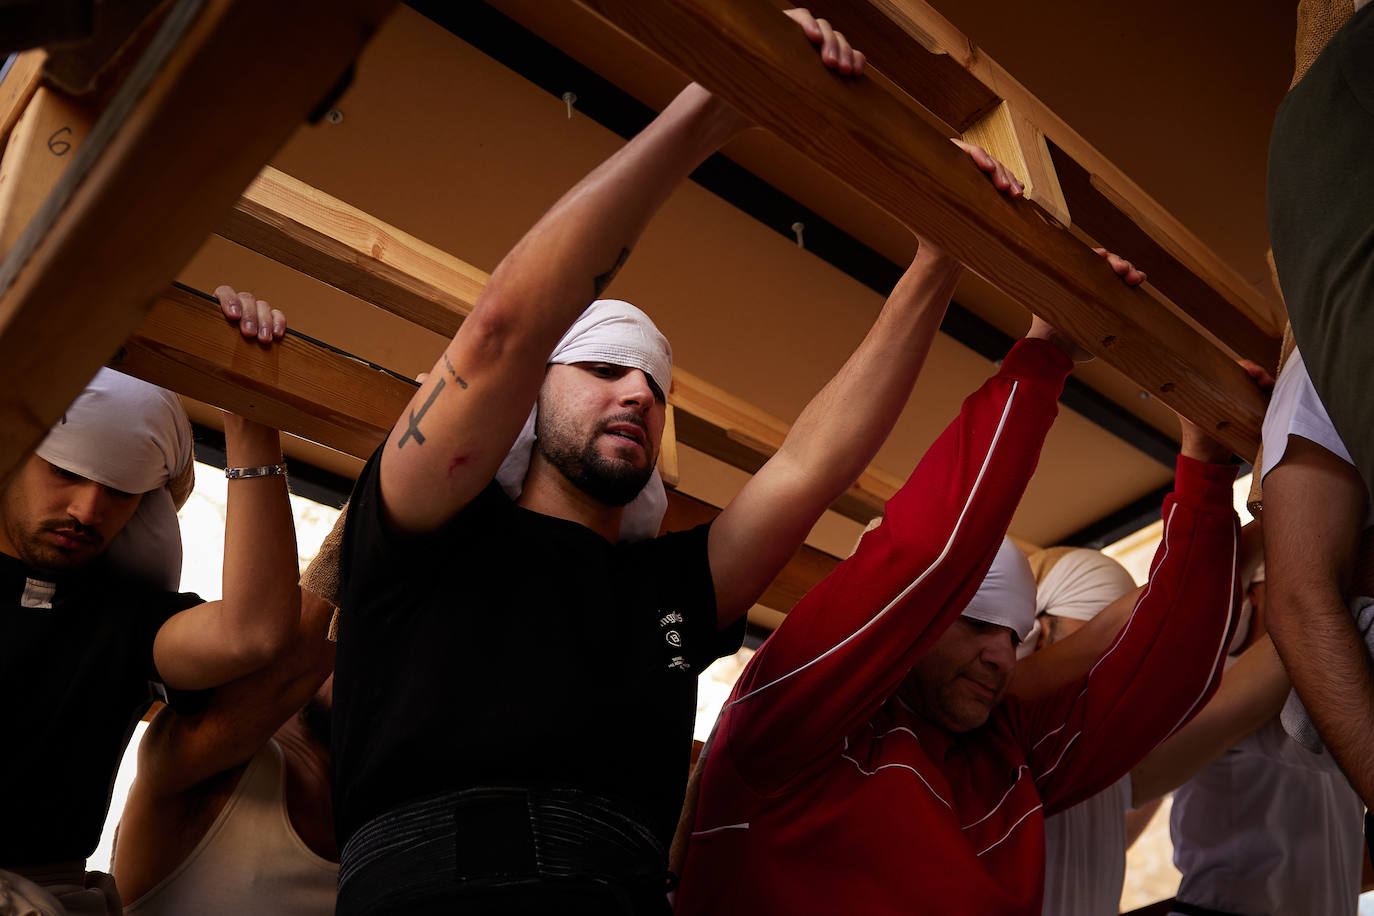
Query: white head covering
x=1080, y=584
x=1006, y=596
x=132, y=436
x=1074, y=582
x=609, y=331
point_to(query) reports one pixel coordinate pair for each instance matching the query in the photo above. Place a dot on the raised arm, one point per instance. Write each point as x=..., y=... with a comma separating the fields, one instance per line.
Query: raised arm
x=179, y=755
x=1314, y=505
x=839, y=431
x=450, y=440
x=1167, y=659
x=848, y=644
x=216, y=642
x=1251, y=693
x=1048, y=670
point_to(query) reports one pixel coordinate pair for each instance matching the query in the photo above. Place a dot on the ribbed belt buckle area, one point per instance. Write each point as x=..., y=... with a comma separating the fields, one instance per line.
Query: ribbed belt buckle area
x=493, y=837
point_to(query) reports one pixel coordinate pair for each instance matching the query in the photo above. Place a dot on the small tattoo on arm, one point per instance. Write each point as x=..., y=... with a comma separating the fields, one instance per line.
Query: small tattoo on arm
x=453, y=373
x=413, y=432
x=604, y=280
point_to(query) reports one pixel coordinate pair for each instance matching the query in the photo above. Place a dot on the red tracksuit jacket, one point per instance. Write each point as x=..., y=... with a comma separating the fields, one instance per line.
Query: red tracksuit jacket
x=823, y=793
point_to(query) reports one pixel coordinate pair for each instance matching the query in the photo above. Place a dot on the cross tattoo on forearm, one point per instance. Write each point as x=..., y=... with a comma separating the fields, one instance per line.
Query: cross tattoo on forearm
x=413, y=432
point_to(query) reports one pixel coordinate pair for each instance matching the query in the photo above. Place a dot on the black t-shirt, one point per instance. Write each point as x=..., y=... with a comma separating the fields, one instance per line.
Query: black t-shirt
x=511, y=648
x=76, y=675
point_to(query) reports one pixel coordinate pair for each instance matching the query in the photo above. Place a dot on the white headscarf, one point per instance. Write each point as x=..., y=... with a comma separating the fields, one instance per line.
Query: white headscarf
x=1006, y=596
x=1074, y=582
x=1080, y=584
x=609, y=331
x=132, y=436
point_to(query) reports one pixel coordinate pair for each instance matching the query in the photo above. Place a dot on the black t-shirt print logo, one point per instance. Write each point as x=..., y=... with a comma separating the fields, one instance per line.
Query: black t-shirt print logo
x=673, y=637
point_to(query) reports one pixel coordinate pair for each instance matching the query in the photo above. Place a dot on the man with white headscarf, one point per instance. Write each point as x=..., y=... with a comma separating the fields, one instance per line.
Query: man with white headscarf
x=517, y=656
x=871, y=759
x=1085, y=845
x=93, y=630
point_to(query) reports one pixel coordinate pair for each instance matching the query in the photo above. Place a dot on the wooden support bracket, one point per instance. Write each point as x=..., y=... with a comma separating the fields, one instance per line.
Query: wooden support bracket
x=1013, y=139
x=757, y=61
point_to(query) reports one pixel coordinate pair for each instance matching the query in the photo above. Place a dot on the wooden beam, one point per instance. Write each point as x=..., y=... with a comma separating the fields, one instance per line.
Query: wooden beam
x=184, y=344
x=18, y=86
x=1195, y=279
x=44, y=140
x=306, y=229
x=192, y=124
x=301, y=388
x=323, y=237
x=758, y=61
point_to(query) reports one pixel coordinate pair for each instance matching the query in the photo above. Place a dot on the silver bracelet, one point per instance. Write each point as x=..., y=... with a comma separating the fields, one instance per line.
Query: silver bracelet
x=262, y=470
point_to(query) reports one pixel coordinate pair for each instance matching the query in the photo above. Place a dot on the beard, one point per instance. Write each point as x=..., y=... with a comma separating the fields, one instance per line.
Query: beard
x=613, y=481
x=48, y=559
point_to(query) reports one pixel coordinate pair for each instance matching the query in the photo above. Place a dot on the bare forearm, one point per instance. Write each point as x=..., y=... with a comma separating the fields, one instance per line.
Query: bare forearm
x=1331, y=670
x=261, y=598
x=843, y=426
x=1251, y=693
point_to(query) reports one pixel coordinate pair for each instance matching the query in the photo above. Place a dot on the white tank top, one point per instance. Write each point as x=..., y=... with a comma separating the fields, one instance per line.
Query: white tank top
x=250, y=860
x=1085, y=854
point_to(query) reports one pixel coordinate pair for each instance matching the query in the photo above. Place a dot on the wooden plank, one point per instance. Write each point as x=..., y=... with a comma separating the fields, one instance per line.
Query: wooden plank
x=44, y=140
x=301, y=388
x=321, y=236
x=926, y=29
x=310, y=231
x=1102, y=221
x=185, y=344
x=18, y=86
x=758, y=62
x=179, y=141
x=912, y=57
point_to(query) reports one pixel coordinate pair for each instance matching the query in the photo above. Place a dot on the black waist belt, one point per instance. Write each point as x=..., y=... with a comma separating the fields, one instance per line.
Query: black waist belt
x=485, y=839
x=1192, y=909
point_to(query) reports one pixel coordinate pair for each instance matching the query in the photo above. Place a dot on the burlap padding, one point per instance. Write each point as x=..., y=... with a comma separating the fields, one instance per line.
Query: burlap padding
x=1318, y=22
x=321, y=577
x=181, y=485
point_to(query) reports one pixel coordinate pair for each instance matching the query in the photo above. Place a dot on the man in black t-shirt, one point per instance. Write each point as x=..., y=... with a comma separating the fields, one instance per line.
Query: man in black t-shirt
x=515, y=676
x=91, y=628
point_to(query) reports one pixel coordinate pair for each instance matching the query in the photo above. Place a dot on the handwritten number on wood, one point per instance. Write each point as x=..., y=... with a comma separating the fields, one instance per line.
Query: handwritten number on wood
x=56, y=145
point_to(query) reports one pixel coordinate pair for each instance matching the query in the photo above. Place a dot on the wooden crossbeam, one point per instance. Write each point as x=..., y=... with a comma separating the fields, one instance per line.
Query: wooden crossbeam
x=18, y=86
x=304, y=389
x=185, y=345
x=1074, y=182
x=870, y=137
x=193, y=123
x=310, y=231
